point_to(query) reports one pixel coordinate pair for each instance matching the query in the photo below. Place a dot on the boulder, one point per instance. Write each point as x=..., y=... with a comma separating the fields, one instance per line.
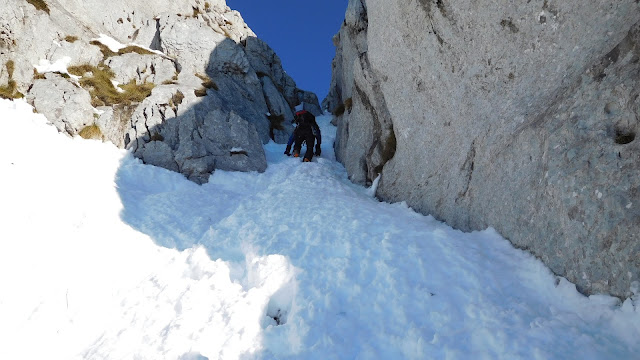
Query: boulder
x=115, y=121
x=158, y=153
x=66, y=105
x=194, y=137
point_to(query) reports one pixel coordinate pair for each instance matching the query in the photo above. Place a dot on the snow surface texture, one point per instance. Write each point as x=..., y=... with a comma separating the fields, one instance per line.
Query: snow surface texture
x=106, y=258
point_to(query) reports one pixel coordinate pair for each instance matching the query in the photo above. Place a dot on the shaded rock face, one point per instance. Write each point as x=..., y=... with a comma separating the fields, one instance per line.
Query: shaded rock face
x=196, y=90
x=522, y=117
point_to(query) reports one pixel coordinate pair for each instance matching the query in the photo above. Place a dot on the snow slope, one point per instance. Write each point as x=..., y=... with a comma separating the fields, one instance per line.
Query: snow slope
x=106, y=258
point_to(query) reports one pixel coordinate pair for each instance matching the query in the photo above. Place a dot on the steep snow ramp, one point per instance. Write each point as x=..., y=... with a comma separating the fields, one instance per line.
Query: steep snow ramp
x=104, y=257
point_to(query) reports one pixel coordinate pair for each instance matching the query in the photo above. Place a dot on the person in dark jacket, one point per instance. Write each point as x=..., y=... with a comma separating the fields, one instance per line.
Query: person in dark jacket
x=307, y=131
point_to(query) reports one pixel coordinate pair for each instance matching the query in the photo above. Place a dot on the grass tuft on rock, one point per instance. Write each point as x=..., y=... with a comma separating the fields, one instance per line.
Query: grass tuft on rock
x=107, y=53
x=10, y=90
x=39, y=5
x=134, y=93
x=156, y=136
x=82, y=70
x=342, y=107
x=71, y=39
x=207, y=83
x=11, y=67
x=98, y=81
x=173, y=80
x=134, y=49
x=177, y=98
x=91, y=132
x=37, y=75
x=348, y=104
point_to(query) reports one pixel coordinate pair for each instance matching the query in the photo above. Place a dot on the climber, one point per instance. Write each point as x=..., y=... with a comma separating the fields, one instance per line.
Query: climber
x=292, y=138
x=307, y=131
x=299, y=135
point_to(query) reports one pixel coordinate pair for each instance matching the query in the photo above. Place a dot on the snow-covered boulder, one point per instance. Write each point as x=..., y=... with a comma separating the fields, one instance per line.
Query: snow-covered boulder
x=520, y=116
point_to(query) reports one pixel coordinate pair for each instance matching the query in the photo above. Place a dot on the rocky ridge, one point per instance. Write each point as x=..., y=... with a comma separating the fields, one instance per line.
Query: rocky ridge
x=522, y=117
x=190, y=88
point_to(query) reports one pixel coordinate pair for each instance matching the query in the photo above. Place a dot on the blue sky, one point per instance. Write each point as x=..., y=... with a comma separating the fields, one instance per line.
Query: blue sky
x=300, y=32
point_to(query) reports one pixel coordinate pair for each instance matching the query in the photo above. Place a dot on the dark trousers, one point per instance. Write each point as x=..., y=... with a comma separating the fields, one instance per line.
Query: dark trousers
x=310, y=139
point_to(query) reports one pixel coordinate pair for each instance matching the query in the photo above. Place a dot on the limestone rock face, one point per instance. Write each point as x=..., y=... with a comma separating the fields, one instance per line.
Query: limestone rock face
x=184, y=84
x=281, y=115
x=77, y=51
x=114, y=121
x=142, y=68
x=266, y=63
x=188, y=40
x=238, y=85
x=523, y=117
x=28, y=35
x=311, y=101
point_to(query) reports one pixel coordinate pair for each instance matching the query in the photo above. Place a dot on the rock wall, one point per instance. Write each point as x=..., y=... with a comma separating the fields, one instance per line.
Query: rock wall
x=206, y=93
x=519, y=116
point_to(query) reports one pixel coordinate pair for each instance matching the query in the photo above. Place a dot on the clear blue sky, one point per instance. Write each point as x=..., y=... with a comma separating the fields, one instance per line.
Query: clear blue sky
x=300, y=32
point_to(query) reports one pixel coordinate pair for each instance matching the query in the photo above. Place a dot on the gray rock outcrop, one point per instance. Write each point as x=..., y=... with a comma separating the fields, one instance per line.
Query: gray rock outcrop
x=522, y=117
x=141, y=69
x=187, y=92
x=62, y=102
